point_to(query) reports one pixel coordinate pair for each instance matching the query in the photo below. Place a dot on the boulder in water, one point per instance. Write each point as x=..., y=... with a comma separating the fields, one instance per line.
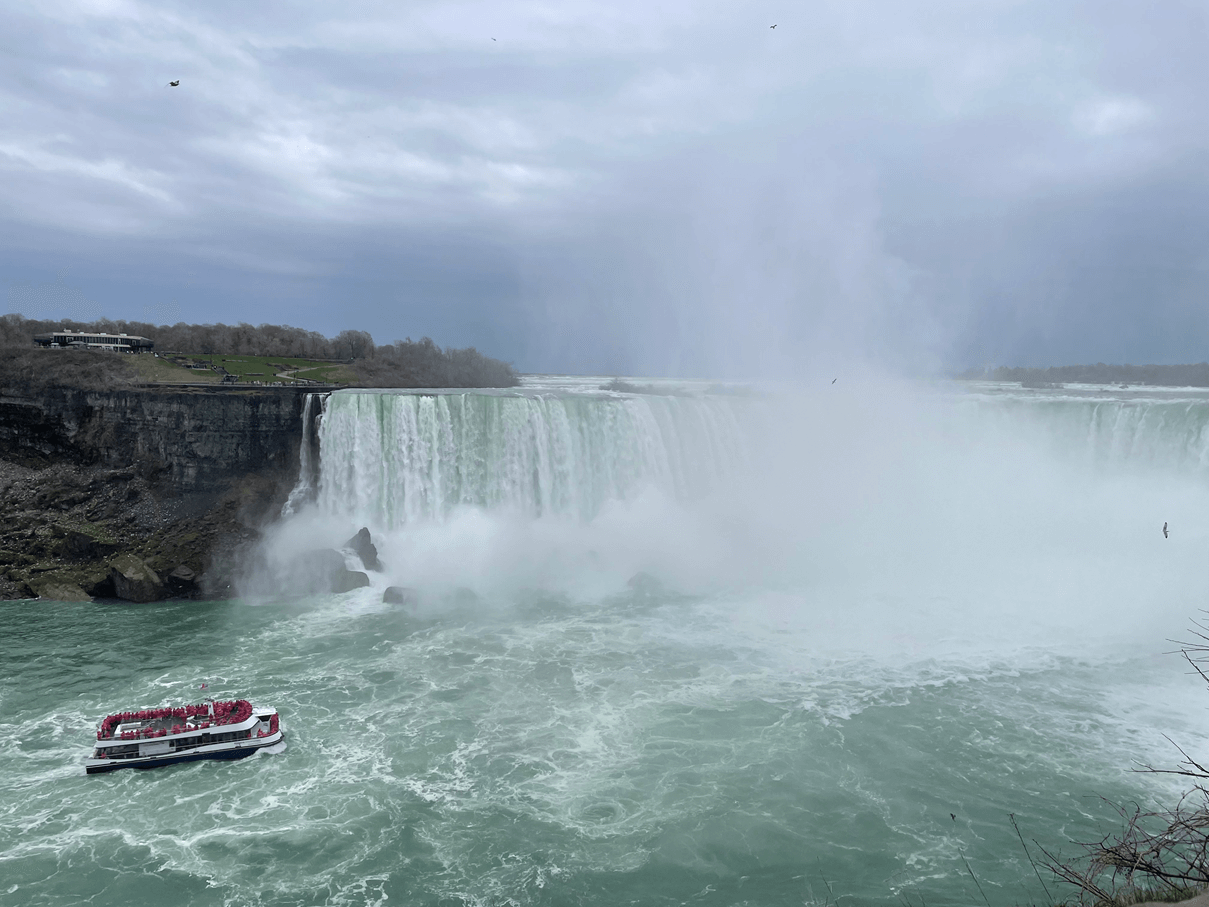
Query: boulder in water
x=465, y=596
x=348, y=580
x=400, y=595
x=59, y=591
x=643, y=585
x=322, y=561
x=324, y=570
x=365, y=549
x=134, y=581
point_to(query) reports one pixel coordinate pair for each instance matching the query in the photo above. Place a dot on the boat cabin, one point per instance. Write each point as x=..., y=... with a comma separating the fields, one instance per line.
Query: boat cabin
x=213, y=727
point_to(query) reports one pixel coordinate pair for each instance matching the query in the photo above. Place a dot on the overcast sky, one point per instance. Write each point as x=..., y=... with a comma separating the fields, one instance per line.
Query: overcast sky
x=624, y=186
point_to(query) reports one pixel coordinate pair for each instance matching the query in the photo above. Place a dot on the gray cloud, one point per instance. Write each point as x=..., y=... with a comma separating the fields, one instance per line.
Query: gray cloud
x=624, y=186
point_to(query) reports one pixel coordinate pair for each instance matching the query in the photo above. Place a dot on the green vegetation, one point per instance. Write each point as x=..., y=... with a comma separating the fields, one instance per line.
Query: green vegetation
x=264, y=369
x=162, y=370
x=267, y=354
x=25, y=369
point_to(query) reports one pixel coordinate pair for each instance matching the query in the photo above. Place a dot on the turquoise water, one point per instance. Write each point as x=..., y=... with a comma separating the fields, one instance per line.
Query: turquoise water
x=645, y=752
x=702, y=657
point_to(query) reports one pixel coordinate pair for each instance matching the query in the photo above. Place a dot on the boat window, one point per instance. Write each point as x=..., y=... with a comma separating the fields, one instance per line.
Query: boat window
x=128, y=750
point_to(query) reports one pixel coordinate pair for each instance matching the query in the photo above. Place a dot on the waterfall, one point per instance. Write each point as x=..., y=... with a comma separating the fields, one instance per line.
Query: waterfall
x=304, y=490
x=398, y=458
x=393, y=458
x=1170, y=435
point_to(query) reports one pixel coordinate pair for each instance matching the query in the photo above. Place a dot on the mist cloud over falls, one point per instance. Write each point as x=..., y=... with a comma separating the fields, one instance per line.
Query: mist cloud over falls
x=623, y=188
x=901, y=521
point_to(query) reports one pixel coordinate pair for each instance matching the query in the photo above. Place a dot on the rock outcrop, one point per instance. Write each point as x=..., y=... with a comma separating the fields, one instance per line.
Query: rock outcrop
x=349, y=580
x=400, y=595
x=59, y=591
x=87, y=546
x=181, y=582
x=134, y=581
x=323, y=570
x=365, y=549
x=643, y=585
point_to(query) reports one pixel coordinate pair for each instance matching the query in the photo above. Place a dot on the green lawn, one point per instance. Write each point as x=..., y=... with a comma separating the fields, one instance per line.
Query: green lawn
x=266, y=369
x=158, y=370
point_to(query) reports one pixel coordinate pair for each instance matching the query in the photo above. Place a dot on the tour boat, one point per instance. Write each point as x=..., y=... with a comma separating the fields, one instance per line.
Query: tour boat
x=154, y=737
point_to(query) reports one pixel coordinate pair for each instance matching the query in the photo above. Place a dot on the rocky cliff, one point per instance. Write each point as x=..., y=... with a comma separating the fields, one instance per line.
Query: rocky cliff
x=98, y=486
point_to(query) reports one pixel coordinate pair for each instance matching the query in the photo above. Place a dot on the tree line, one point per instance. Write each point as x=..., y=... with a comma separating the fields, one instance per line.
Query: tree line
x=404, y=363
x=1158, y=375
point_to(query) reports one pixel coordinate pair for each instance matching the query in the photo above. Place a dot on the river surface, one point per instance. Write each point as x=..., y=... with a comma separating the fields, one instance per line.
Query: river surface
x=704, y=649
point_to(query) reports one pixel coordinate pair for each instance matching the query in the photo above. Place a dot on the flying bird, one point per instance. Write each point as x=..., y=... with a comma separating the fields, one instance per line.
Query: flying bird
x=173, y=84
x=772, y=26
x=833, y=380
x=953, y=816
x=1164, y=530
x=493, y=39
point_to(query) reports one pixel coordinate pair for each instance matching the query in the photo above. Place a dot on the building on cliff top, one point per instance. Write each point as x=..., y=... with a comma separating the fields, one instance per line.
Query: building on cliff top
x=117, y=343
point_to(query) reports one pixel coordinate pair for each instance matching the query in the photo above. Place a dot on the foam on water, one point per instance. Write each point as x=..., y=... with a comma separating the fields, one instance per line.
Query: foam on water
x=490, y=755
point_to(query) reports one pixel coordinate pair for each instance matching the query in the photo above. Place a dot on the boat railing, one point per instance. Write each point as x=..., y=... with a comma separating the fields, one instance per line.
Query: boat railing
x=215, y=713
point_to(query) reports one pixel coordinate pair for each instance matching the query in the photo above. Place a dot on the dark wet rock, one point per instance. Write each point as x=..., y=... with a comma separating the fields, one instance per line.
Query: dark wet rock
x=325, y=560
x=170, y=476
x=364, y=546
x=134, y=581
x=190, y=438
x=348, y=580
x=10, y=558
x=82, y=545
x=400, y=595
x=643, y=585
x=96, y=580
x=324, y=570
x=57, y=591
x=316, y=570
x=182, y=581
x=465, y=596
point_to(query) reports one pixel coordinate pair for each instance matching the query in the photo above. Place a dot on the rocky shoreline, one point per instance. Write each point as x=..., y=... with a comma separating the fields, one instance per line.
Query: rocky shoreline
x=139, y=494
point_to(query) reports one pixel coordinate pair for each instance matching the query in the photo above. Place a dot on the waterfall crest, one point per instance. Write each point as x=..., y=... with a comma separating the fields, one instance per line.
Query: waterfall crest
x=399, y=458
x=1171, y=435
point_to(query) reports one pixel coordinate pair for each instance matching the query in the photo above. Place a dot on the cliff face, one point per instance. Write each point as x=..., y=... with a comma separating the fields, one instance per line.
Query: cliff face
x=180, y=479
x=191, y=440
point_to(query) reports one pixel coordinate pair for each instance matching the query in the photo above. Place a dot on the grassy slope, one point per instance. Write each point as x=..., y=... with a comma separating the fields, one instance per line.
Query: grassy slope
x=155, y=370
x=266, y=369
x=25, y=368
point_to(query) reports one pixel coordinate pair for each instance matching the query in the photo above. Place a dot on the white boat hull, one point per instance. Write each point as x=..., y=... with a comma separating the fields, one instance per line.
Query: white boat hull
x=234, y=749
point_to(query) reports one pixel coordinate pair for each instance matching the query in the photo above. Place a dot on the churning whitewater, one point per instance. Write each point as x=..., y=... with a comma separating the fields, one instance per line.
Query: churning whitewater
x=666, y=648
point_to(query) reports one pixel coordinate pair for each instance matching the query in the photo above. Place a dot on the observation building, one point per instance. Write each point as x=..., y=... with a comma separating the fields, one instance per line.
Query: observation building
x=116, y=343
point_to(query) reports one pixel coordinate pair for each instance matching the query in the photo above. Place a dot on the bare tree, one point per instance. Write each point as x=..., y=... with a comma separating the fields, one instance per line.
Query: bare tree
x=1162, y=851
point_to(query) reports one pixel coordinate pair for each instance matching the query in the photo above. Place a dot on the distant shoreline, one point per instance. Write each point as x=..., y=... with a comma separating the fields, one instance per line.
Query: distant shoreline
x=1196, y=375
